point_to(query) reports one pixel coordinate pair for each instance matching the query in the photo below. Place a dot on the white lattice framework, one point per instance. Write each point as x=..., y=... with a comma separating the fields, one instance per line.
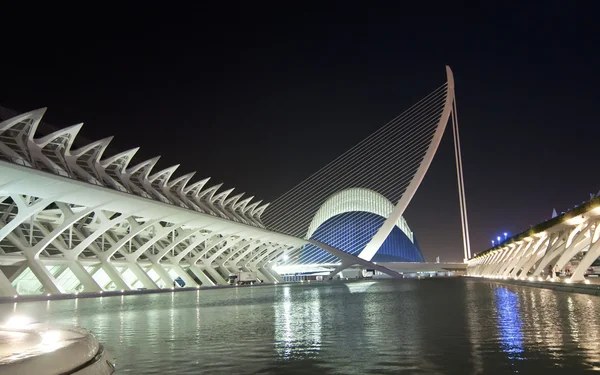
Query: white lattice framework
x=72, y=221
x=572, y=242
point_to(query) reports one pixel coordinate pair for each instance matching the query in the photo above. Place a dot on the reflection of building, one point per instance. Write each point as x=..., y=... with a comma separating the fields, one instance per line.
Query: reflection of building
x=348, y=220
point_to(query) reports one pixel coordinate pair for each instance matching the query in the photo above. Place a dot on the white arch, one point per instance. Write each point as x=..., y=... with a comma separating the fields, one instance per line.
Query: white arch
x=352, y=200
x=377, y=240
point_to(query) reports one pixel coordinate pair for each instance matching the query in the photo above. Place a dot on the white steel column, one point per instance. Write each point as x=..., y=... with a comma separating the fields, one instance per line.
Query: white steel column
x=51, y=286
x=6, y=287
x=461, y=183
x=200, y=275
x=88, y=282
x=142, y=276
x=115, y=276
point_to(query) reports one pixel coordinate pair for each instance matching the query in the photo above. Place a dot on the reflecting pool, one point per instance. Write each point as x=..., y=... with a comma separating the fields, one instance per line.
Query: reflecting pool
x=433, y=326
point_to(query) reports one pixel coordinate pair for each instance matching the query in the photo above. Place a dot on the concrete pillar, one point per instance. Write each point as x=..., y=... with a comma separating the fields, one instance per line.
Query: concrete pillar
x=265, y=277
x=589, y=258
x=189, y=282
x=142, y=276
x=273, y=274
x=44, y=276
x=19, y=271
x=216, y=275
x=6, y=288
x=200, y=274
x=115, y=276
x=162, y=272
x=89, y=284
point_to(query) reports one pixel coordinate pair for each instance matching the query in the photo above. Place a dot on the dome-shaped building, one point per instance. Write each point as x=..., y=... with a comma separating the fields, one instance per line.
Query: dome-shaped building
x=348, y=220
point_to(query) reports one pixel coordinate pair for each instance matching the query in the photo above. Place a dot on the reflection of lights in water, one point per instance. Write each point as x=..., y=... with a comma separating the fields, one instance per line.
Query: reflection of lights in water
x=509, y=323
x=572, y=321
x=298, y=324
x=359, y=287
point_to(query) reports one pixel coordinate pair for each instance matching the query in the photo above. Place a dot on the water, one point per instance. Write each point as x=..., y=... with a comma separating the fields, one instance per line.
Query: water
x=437, y=326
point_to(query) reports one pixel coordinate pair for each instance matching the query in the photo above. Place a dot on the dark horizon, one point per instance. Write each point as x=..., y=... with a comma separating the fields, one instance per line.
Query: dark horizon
x=261, y=98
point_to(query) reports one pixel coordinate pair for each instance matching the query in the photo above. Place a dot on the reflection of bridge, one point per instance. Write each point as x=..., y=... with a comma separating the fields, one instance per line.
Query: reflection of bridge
x=72, y=220
x=568, y=243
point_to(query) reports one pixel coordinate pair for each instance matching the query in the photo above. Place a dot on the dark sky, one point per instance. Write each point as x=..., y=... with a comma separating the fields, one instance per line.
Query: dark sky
x=259, y=97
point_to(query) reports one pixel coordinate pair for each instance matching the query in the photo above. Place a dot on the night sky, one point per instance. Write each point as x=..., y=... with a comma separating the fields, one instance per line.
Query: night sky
x=260, y=97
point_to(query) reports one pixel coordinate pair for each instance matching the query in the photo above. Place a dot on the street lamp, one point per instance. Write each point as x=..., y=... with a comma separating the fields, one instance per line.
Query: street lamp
x=505, y=234
x=492, y=242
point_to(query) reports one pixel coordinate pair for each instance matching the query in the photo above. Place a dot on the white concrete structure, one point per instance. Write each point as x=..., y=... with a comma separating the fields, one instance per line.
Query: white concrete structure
x=73, y=220
x=569, y=242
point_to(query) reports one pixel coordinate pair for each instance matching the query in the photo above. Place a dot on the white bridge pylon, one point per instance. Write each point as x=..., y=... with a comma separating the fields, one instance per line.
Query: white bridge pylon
x=391, y=162
x=567, y=243
x=449, y=108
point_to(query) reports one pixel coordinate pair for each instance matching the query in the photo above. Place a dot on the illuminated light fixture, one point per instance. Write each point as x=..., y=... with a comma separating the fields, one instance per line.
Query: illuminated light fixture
x=505, y=234
x=568, y=281
x=101, y=291
x=586, y=281
x=552, y=280
x=48, y=295
x=15, y=296
x=172, y=288
x=498, y=238
x=76, y=293
x=122, y=290
x=540, y=279
x=197, y=286
x=531, y=278
x=523, y=278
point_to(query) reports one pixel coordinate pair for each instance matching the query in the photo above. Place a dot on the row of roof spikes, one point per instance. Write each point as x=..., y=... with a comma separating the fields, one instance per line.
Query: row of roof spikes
x=53, y=153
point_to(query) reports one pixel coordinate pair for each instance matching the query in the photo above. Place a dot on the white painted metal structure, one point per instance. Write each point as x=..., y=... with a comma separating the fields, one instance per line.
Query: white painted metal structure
x=573, y=241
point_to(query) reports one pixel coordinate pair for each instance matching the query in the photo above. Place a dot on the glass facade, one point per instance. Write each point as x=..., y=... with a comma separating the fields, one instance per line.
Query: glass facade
x=351, y=232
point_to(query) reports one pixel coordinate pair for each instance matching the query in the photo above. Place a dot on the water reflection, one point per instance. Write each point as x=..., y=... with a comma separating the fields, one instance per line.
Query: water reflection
x=359, y=287
x=298, y=324
x=509, y=323
x=438, y=326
